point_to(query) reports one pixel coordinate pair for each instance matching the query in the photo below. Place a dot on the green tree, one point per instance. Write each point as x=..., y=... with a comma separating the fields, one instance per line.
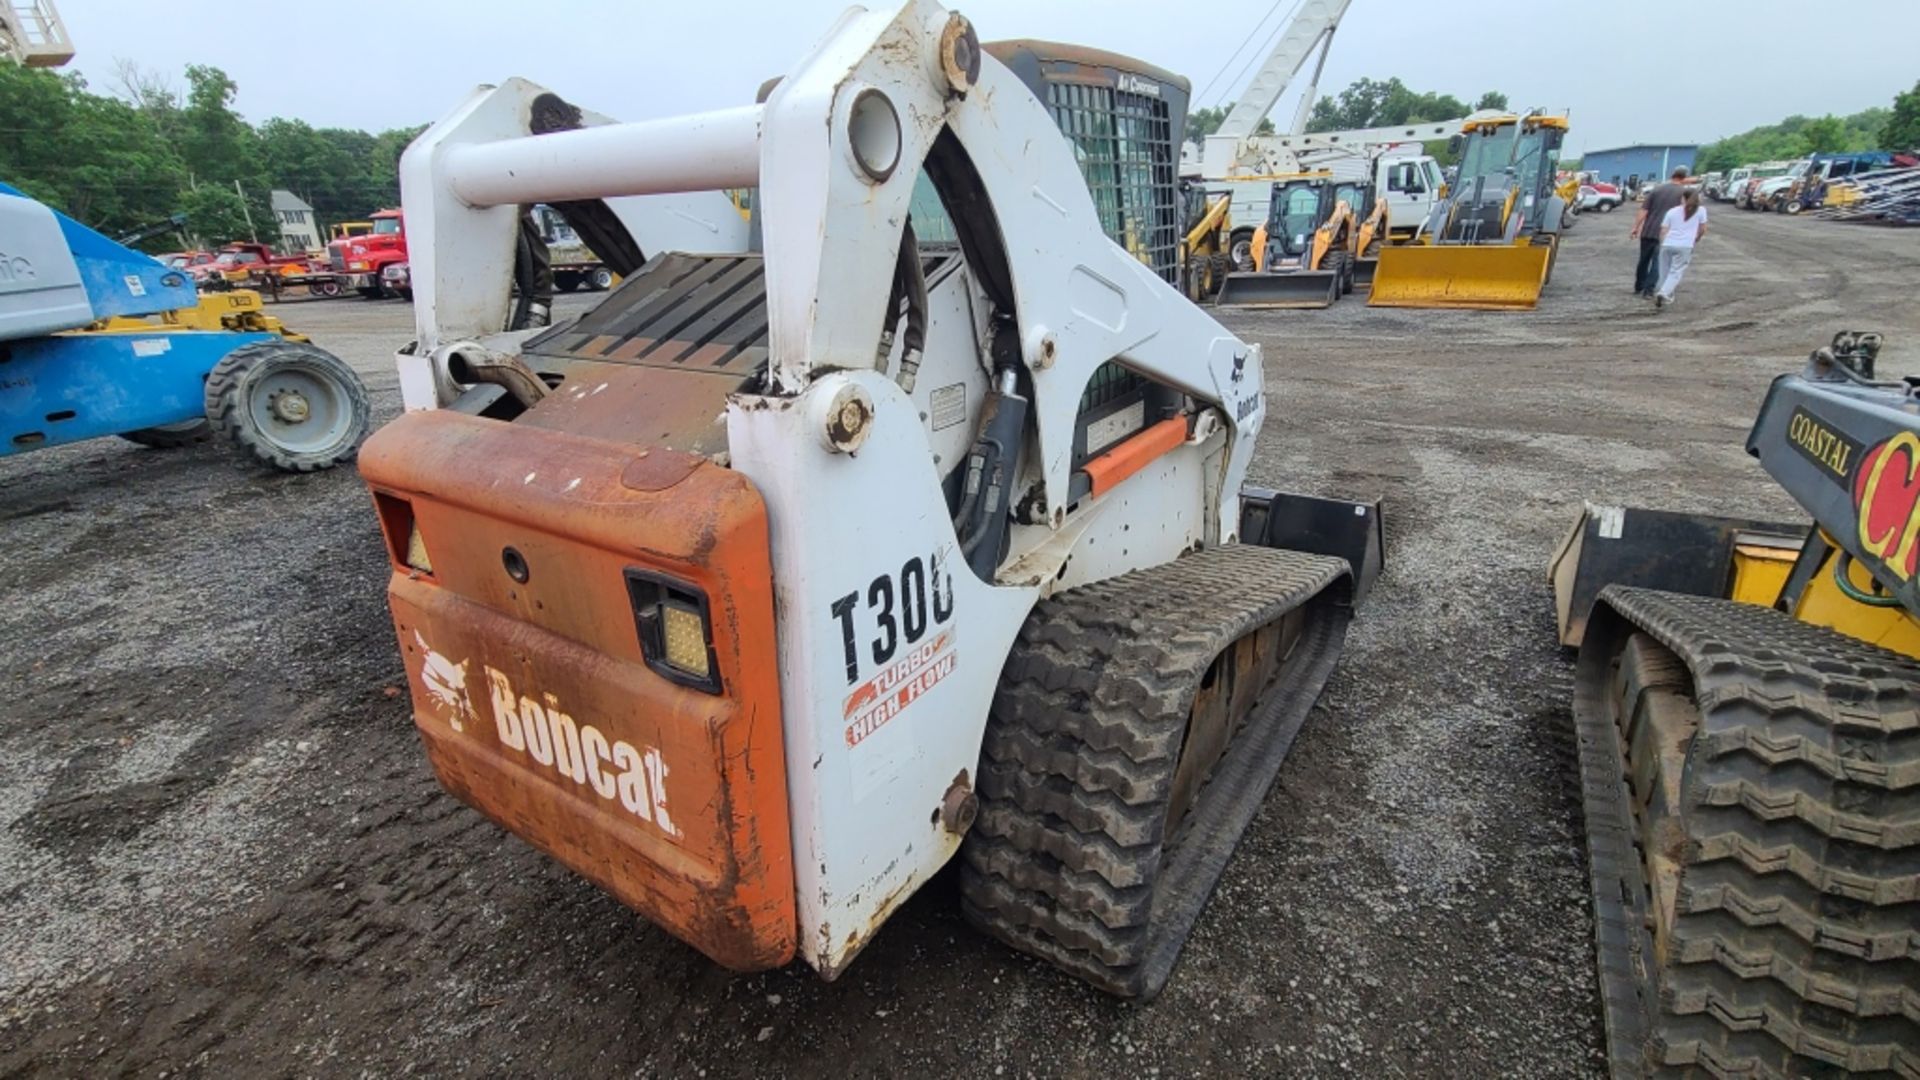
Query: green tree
x=390, y=144
x=95, y=158
x=1357, y=106
x=220, y=147
x=216, y=214
x=1200, y=124
x=332, y=169
x=116, y=163
x=1492, y=99
x=1797, y=136
x=1824, y=135
x=1368, y=103
x=1901, y=131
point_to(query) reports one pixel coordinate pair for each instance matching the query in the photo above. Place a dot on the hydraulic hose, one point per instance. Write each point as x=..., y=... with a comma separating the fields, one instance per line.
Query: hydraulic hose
x=910, y=280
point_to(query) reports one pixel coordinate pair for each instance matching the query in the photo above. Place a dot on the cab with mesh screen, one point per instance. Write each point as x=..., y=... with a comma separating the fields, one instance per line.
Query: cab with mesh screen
x=1126, y=121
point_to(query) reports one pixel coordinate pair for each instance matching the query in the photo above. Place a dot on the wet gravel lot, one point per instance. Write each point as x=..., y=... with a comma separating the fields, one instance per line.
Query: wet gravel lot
x=221, y=850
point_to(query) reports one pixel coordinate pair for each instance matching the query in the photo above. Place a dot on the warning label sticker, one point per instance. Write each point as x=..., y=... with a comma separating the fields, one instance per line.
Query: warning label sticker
x=949, y=406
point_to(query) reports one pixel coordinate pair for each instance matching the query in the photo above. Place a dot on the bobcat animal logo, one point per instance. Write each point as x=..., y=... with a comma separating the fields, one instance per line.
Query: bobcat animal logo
x=446, y=684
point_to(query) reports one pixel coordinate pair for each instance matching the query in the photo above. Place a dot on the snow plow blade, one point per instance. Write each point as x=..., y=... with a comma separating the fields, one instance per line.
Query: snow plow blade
x=1294, y=289
x=1481, y=277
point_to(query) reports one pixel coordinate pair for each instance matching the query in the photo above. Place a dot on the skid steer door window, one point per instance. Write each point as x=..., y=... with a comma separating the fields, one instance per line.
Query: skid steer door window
x=1297, y=212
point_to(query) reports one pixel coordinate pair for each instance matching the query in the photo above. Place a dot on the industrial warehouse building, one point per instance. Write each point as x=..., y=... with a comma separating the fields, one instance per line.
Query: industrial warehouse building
x=1645, y=162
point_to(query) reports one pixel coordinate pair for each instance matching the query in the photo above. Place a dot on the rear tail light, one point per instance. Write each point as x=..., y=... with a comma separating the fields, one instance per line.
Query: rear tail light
x=404, y=542
x=417, y=550
x=676, y=632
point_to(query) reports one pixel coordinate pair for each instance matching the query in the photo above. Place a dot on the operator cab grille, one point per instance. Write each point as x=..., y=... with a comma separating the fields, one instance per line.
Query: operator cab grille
x=685, y=312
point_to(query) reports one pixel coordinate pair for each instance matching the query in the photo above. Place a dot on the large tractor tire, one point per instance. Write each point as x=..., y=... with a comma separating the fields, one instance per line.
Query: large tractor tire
x=1240, y=250
x=1197, y=281
x=1752, y=795
x=171, y=436
x=290, y=405
x=1341, y=263
x=1138, y=725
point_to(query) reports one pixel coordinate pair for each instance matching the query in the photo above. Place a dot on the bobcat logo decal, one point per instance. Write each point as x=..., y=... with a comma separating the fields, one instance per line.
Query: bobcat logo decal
x=446, y=684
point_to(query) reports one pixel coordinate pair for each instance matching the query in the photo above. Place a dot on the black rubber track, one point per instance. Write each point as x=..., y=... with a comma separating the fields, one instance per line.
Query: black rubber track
x=1795, y=944
x=1068, y=860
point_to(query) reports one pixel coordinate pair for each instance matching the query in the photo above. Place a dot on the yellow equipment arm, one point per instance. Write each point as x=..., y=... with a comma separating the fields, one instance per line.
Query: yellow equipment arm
x=1214, y=220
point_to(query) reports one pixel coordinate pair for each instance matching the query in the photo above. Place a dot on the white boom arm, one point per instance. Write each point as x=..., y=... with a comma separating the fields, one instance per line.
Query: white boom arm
x=1224, y=157
x=1312, y=27
x=463, y=180
x=31, y=33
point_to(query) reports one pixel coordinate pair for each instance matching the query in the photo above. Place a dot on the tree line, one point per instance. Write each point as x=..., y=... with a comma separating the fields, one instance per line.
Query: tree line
x=155, y=148
x=1897, y=128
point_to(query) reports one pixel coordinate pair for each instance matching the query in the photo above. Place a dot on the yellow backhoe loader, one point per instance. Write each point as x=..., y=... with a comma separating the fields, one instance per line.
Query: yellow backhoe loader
x=1489, y=244
x=1303, y=253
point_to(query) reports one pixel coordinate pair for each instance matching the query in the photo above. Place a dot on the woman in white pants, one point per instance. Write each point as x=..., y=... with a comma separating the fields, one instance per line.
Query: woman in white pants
x=1680, y=233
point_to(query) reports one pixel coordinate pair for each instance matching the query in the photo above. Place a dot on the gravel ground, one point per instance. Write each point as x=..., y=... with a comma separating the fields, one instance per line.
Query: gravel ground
x=221, y=850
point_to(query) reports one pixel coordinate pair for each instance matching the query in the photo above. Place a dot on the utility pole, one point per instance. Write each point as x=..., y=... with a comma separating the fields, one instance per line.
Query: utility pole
x=251, y=231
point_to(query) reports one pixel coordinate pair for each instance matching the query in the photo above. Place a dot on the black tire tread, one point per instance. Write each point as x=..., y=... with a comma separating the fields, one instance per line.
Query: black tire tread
x=1797, y=917
x=162, y=439
x=225, y=404
x=1067, y=860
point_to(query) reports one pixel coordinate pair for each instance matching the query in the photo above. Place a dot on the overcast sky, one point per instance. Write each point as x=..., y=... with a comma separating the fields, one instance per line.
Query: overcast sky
x=1630, y=70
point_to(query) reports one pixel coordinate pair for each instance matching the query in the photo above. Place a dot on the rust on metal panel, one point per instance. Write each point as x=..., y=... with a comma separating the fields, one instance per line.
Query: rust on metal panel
x=533, y=693
x=640, y=406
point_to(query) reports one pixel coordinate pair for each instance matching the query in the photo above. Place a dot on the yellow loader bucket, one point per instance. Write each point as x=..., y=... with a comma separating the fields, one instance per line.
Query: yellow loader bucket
x=1484, y=277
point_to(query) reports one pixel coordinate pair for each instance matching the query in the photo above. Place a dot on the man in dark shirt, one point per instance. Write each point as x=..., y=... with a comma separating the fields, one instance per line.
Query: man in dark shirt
x=1646, y=227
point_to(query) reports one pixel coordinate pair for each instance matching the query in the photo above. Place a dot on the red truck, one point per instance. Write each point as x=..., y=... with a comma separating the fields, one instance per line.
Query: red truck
x=357, y=261
x=242, y=263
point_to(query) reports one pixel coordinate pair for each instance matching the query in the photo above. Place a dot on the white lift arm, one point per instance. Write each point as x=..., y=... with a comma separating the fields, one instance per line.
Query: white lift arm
x=462, y=183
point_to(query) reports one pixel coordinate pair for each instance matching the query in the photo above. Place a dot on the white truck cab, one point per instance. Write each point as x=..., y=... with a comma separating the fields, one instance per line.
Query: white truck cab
x=1411, y=184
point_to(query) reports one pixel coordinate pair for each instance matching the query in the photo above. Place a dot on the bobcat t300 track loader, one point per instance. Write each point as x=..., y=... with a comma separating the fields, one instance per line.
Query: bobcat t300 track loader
x=779, y=579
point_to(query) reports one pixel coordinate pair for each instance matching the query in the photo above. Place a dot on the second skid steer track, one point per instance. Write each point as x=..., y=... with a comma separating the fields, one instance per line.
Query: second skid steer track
x=1139, y=723
x=1752, y=799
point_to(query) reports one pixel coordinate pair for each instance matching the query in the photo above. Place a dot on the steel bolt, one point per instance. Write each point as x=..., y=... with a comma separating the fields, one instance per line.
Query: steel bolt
x=960, y=806
x=845, y=418
x=291, y=407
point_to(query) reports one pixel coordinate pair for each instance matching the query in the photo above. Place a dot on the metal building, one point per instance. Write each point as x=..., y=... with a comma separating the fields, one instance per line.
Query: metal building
x=1646, y=161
